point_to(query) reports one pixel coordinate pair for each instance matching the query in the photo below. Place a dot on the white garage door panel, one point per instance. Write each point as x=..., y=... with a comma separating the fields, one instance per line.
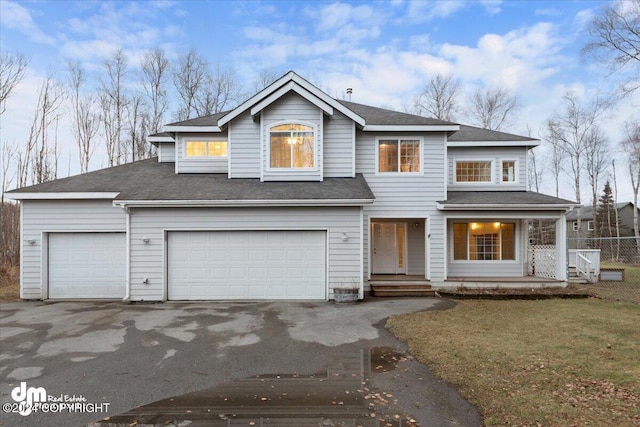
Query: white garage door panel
x=216, y=265
x=86, y=265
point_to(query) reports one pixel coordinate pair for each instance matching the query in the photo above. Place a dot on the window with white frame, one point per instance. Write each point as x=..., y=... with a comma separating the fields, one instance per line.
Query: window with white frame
x=590, y=225
x=575, y=225
x=399, y=155
x=291, y=146
x=473, y=171
x=509, y=171
x=484, y=241
x=205, y=149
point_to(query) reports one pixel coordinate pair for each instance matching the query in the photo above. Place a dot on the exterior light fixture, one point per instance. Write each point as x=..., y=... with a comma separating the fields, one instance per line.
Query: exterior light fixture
x=344, y=237
x=145, y=239
x=31, y=241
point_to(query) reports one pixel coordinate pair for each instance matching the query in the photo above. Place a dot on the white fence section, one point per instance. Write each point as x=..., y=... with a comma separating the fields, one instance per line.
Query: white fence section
x=586, y=262
x=542, y=261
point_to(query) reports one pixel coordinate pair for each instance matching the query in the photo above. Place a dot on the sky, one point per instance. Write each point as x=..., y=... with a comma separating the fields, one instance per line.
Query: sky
x=385, y=50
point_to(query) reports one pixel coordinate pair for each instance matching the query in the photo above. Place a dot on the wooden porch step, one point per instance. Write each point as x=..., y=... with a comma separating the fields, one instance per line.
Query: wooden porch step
x=402, y=290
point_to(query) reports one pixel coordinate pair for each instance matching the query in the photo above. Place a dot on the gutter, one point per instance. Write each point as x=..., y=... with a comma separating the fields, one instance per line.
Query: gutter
x=241, y=203
x=504, y=207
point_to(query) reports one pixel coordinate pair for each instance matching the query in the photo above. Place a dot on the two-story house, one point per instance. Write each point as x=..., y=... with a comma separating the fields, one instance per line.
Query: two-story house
x=288, y=195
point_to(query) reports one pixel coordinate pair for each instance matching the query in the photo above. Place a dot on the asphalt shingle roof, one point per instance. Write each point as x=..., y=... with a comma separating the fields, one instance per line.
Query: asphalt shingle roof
x=502, y=198
x=587, y=212
x=210, y=120
x=381, y=116
x=472, y=133
x=150, y=180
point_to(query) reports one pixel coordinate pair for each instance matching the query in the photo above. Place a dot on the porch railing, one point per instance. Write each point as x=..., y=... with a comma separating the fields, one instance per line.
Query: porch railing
x=586, y=262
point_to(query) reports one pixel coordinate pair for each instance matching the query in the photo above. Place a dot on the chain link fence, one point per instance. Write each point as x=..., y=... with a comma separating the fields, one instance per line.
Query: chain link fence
x=617, y=275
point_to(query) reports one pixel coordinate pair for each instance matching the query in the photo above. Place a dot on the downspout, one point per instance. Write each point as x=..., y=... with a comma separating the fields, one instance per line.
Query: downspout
x=127, y=287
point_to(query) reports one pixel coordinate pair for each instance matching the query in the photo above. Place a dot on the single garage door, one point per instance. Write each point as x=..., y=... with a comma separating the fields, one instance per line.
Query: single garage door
x=246, y=265
x=87, y=265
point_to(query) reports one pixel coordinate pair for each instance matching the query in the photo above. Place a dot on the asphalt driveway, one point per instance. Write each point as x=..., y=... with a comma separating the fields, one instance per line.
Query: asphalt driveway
x=104, y=359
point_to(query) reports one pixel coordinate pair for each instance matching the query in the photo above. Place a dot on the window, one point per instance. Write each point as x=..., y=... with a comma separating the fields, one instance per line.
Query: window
x=509, y=171
x=399, y=155
x=205, y=149
x=476, y=171
x=292, y=146
x=590, y=225
x=484, y=241
x=575, y=225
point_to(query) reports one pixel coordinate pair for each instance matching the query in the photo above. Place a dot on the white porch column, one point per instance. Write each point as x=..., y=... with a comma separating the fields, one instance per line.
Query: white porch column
x=561, y=247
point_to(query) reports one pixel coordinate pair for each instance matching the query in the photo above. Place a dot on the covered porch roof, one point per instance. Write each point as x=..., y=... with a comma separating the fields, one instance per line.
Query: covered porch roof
x=503, y=201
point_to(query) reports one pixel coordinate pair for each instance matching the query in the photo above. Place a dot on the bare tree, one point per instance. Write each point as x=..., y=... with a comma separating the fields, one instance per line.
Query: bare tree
x=596, y=151
x=631, y=145
x=569, y=130
x=138, y=128
x=189, y=77
x=265, y=78
x=86, y=120
x=615, y=41
x=12, y=70
x=155, y=69
x=439, y=98
x=556, y=160
x=492, y=108
x=221, y=90
x=113, y=105
x=39, y=162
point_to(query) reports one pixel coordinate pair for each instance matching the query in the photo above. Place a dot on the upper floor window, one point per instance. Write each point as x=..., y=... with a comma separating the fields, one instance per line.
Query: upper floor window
x=292, y=146
x=473, y=171
x=590, y=225
x=399, y=155
x=575, y=225
x=509, y=171
x=194, y=149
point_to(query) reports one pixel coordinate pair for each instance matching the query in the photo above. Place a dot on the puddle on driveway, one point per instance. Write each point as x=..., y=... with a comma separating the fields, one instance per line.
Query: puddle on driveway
x=340, y=396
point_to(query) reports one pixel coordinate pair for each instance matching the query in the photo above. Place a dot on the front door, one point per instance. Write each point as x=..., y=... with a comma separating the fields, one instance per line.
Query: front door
x=389, y=248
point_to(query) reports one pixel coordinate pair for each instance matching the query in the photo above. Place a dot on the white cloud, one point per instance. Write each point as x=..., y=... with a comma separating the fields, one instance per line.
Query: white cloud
x=492, y=6
x=15, y=16
x=422, y=11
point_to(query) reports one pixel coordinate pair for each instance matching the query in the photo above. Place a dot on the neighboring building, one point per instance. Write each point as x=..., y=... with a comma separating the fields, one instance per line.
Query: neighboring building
x=287, y=196
x=587, y=225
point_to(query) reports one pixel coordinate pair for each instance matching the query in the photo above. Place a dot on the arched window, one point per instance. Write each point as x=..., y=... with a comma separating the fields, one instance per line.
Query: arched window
x=292, y=146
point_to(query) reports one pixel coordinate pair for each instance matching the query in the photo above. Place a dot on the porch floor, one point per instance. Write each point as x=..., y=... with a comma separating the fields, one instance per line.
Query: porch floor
x=523, y=279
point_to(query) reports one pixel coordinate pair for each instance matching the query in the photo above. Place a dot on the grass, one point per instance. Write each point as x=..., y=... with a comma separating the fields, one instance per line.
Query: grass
x=629, y=290
x=9, y=282
x=531, y=363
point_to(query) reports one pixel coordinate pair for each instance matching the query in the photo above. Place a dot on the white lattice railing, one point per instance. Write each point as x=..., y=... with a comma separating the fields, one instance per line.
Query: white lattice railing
x=542, y=261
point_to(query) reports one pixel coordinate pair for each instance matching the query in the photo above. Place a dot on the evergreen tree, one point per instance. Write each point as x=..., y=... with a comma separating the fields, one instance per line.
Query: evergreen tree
x=605, y=215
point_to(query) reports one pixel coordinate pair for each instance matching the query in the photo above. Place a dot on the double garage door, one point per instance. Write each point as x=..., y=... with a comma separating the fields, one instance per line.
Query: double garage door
x=219, y=265
x=201, y=265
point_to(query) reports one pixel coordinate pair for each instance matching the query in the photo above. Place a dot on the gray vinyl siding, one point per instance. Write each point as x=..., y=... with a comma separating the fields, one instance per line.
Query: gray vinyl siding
x=41, y=216
x=515, y=268
x=489, y=153
x=245, y=147
x=292, y=107
x=338, y=146
x=203, y=165
x=147, y=260
x=407, y=196
x=166, y=152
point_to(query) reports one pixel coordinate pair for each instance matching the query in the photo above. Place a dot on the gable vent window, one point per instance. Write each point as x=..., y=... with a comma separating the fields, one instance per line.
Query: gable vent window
x=203, y=149
x=292, y=146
